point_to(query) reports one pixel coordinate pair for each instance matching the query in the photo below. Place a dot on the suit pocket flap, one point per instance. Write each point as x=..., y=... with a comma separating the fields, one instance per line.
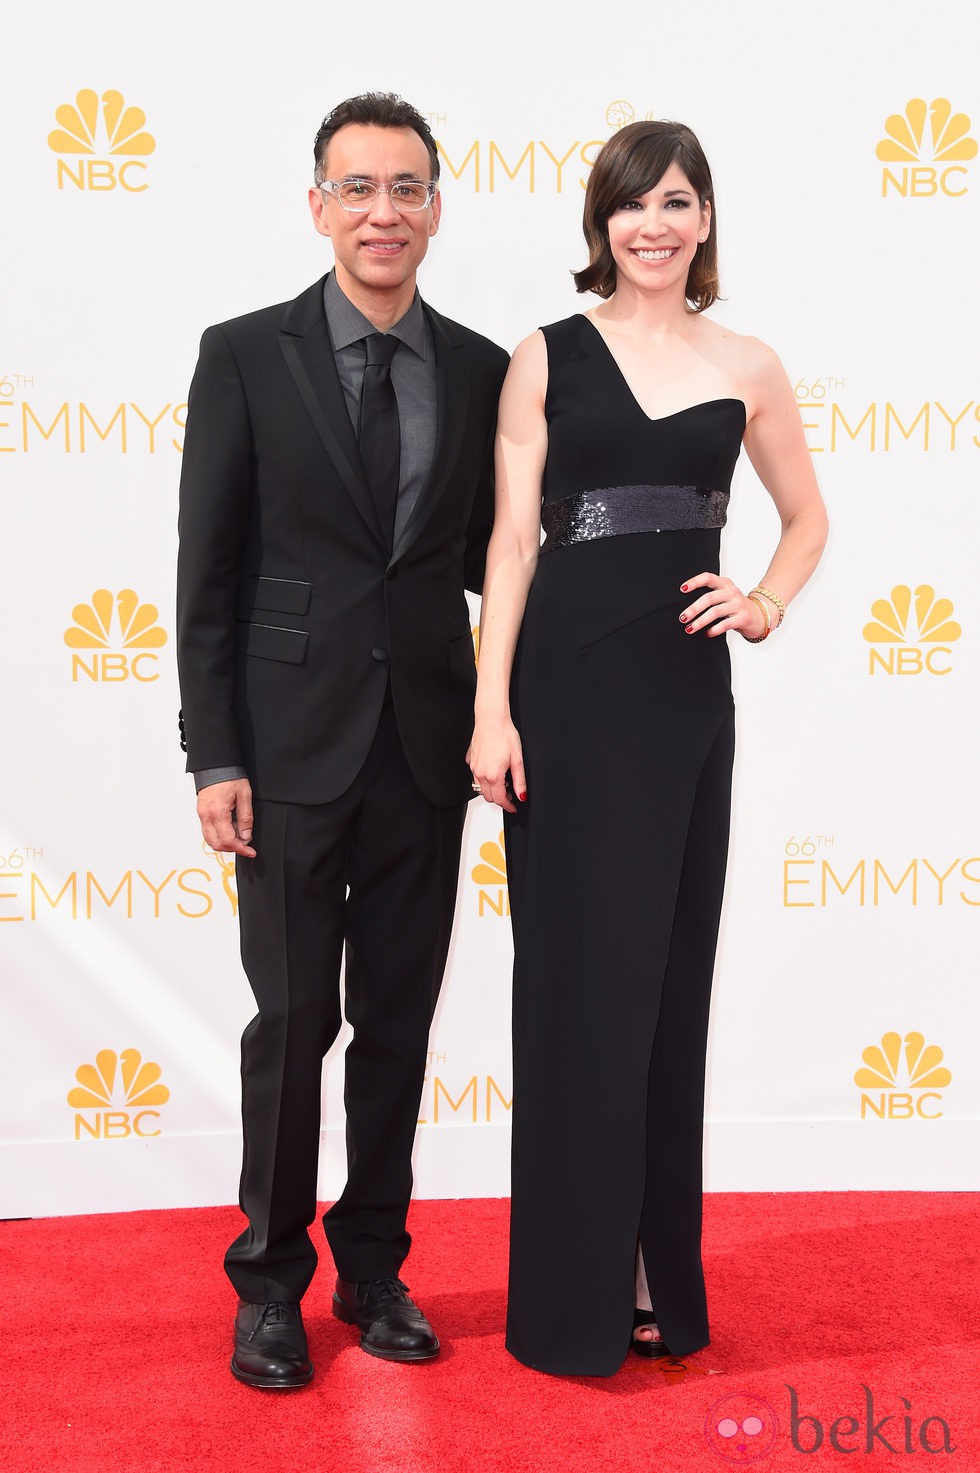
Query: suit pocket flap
x=280, y=595
x=270, y=642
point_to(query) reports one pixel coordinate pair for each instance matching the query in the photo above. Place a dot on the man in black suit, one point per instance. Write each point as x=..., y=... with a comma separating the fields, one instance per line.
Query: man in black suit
x=336, y=497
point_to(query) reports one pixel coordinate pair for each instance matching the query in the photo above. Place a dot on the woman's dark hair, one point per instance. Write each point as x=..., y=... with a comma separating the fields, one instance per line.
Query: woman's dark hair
x=632, y=162
x=376, y=110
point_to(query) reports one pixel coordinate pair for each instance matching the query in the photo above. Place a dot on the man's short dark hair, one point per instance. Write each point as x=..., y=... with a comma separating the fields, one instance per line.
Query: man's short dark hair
x=374, y=110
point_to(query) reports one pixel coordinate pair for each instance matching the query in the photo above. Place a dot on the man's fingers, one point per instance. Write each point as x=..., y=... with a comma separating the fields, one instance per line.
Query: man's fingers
x=243, y=819
x=226, y=816
x=221, y=837
x=227, y=820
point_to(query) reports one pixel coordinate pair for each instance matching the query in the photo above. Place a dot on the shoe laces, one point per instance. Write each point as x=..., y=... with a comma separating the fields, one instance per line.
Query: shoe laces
x=389, y=1289
x=276, y=1313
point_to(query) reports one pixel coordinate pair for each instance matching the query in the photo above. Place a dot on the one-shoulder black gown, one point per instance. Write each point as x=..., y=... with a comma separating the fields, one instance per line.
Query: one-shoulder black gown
x=616, y=866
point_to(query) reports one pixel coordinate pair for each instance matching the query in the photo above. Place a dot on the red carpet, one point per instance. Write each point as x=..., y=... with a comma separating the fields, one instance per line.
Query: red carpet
x=845, y=1336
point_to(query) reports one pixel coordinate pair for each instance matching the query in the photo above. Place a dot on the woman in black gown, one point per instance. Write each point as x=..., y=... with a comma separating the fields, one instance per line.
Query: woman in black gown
x=604, y=728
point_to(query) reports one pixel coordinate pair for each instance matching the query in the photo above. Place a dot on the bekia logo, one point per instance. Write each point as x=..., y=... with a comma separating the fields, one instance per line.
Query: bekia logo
x=112, y=1082
x=96, y=137
x=111, y=656
x=883, y=1073
x=932, y=163
x=492, y=873
x=743, y=1428
x=892, y=626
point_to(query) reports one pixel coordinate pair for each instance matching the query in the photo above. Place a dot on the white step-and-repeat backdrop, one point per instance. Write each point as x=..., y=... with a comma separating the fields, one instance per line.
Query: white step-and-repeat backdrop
x=155, y=167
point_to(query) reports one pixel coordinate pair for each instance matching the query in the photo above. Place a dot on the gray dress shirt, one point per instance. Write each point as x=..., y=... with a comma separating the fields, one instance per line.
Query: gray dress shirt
x=413, y=376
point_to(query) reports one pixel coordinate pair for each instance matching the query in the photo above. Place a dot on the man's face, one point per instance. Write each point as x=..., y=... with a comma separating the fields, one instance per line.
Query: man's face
x=378, y=251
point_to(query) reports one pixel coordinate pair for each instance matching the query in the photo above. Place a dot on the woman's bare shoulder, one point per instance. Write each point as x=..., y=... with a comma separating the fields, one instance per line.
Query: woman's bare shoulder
x=746, y=355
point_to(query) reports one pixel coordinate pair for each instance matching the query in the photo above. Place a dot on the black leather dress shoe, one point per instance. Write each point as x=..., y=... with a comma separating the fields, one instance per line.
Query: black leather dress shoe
x=391, y=1326
x=270, y=1346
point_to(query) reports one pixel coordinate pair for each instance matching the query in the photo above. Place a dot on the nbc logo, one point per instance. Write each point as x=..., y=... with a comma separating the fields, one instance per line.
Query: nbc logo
x=92, y=631
x=117, y=1081
x=892, y=628
x=883, y=1073
x=492, y=872
x=931, y=164
x=88, y=133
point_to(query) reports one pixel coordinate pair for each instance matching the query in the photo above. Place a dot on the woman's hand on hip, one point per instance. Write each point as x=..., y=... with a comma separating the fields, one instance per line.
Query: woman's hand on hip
x=720, y=609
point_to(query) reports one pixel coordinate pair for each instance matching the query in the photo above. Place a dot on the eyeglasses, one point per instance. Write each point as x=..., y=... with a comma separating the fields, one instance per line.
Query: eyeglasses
x=360, y=195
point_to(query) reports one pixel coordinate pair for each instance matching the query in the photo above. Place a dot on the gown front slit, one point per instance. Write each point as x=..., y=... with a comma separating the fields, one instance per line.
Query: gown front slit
x=616, y=866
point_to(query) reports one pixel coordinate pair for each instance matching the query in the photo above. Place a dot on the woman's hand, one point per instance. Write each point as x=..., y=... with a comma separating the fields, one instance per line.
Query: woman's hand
x=494, y=751
x=721, y=608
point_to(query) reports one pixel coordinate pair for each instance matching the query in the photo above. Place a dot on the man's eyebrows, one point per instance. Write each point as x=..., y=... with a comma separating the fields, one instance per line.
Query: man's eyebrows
x=370, y=179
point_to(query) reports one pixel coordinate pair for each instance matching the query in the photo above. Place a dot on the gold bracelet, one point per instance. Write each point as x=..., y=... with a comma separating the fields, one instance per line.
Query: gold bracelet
x=753, y=598
x=773, y=599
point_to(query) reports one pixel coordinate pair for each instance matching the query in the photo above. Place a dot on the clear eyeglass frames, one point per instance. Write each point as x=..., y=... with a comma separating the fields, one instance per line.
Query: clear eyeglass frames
x=360, y=195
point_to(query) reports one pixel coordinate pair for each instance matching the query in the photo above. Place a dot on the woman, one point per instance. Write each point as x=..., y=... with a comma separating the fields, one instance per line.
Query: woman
x=606, y=733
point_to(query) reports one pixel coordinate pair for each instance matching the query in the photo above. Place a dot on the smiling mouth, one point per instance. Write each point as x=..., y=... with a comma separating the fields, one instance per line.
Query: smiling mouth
x=659, y=255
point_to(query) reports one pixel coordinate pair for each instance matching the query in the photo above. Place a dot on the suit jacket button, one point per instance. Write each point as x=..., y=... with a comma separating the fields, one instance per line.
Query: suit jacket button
x=378, y=653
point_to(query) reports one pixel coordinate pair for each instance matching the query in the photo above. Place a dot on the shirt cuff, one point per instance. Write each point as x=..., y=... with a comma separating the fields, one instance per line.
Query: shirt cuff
x=208, y=776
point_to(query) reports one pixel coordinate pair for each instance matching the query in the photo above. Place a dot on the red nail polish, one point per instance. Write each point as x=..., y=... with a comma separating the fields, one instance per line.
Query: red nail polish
x=683, y=618
x=683, y=588
x=690, y=629
x=523, y=797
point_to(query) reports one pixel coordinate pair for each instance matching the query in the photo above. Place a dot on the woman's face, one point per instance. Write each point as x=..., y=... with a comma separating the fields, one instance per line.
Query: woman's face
x=654, y=237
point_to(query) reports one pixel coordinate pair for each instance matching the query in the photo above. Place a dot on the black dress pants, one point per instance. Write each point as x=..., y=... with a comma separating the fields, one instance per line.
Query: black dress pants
x=374, y=872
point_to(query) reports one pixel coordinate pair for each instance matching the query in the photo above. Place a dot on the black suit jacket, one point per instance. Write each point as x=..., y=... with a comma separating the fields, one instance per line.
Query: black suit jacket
x=291, y=614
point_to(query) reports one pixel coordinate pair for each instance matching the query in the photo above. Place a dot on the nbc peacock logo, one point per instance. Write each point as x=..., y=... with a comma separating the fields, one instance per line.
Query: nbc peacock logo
x=106, y=142
x=117, y=634
x=911, y=633
x=894, y=1069
x=931, y=143
x=113, y=1096
x=491, y=872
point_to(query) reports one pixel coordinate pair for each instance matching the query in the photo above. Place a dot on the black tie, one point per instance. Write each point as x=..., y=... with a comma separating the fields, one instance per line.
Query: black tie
x=378, y=435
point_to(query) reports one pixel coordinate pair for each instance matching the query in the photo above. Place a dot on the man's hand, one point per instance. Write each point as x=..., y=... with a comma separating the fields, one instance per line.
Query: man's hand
x=225, y=811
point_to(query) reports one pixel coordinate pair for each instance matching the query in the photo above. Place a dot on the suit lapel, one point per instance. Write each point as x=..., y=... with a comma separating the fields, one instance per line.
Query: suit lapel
x=452, y=399
x=309, y=355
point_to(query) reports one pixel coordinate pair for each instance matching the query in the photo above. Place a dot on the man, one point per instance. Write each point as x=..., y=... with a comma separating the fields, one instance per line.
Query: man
x=336, y=494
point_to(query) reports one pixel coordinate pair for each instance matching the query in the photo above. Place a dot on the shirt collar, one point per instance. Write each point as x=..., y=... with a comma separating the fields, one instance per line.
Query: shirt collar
x=348, y=324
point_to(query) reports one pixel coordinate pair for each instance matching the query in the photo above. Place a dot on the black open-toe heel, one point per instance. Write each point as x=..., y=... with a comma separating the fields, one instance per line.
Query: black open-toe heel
x=649, y=1349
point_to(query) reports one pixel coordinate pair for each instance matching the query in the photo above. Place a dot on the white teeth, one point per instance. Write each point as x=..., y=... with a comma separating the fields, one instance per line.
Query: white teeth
x=655, y=255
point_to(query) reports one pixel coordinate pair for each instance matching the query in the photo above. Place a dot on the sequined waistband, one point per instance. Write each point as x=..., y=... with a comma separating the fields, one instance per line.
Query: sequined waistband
x=612, y=511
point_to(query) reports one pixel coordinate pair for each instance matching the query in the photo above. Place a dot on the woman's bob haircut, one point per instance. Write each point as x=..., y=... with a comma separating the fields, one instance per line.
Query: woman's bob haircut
x=632, y=162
